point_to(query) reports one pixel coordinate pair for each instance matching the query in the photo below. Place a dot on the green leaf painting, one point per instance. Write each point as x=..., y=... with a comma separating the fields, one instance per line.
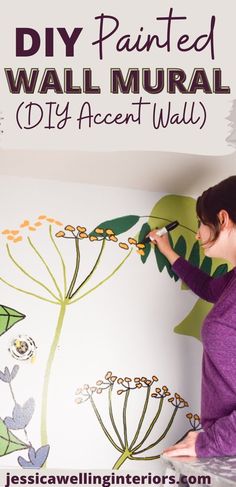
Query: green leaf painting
x=182, y=208
x=9, y=442
x=143, y=233
x=194, y=256
x=180, y=246
x=176, y=207
x=8, y=318
x=161, y=260
x=191, y=325
x=222, y=269
x=118, y=225
x=206, y=265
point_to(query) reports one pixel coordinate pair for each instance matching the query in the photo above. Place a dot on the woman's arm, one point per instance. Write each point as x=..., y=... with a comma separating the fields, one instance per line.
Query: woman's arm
x=205, y=286
x=219, y=440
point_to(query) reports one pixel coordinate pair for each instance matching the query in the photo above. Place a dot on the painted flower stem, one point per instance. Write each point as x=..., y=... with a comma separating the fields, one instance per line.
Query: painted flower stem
x=24, y=291
x=126, y=451
x=131, y=453
x=12, y=393
x=141, y=418
x=44, y=436
x=15, y=402
x=76, y=271
x=162, y=436
x=123, y=457
x=27, y=274
x=60, y=257
x=154, y=457
x=91, y=272
x=151, y=425
x=46, y=266
x=104, y=280
x=127, y=454
x=112, y=417
x=103, y=426
x=125, y=418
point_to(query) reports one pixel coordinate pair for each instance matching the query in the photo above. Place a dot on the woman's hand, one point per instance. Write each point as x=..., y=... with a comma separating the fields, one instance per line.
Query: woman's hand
x=185, y=447
x=164, y=246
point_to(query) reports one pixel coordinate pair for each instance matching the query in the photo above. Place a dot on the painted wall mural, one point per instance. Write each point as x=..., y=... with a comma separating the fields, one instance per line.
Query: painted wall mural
x=65, y=288
x=132, y=449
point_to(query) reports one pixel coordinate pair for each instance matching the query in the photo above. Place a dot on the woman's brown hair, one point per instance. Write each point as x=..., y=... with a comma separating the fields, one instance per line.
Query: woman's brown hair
x=222, y=196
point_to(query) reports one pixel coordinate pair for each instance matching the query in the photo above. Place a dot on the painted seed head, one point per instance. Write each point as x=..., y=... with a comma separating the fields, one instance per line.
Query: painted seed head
x=108, y=375
x=140, y=246
x=60, y=234
x=140, y=252
x=69, y=228
x=17, y=239
x=79, y=400
x=123, y=245
x=132, y=241
x=189, y=415
x=25, y=223
x=113, y=238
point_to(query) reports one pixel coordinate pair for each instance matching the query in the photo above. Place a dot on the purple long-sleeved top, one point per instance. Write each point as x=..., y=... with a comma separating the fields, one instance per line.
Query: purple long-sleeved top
x=218, y=398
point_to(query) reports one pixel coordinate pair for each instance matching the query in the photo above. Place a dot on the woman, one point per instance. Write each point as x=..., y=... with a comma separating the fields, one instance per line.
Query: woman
x=216, y=211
